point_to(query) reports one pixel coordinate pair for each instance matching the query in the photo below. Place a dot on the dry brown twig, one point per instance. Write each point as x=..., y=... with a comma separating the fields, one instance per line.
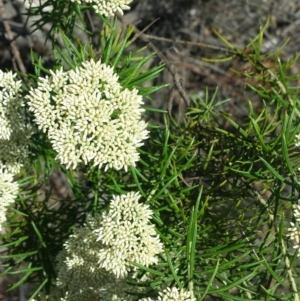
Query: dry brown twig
x=186, y=43
x=163, y=58
x=14, y=48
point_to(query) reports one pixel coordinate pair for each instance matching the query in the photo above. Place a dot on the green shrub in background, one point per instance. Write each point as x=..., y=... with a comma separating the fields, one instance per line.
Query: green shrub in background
x=172, y=211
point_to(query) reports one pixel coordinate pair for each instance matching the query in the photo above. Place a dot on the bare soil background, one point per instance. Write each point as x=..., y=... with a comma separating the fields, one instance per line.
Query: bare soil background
x=176, y=20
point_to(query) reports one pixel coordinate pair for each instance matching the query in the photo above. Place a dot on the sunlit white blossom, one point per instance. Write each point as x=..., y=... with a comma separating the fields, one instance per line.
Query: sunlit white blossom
x=172, y=294
x=15, y=151
x=8, y=192
x=79, y=275
x=97, y=257
x=9, y=103
x=296, y=211
x=294, y=230
x=14, y=131
x=127, y=236
x=107, y=7
x=294, y=234
x=297, y=139
x=89, y=117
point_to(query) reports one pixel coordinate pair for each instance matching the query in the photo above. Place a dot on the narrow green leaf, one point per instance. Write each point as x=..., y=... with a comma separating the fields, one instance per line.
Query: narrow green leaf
x=229, y=45
x=272, y=170
x=208, y=285
x=236, y=126
x=246, y=174
x=21, y=255
x=39, y=235
x=192, y=237
x=135, y=174
x=173, y=269
x=108, y=48
x=38, y=290
x=285, y=136
x=258, y=135
x=270, y=270
x=149, y=270
x=122, y=46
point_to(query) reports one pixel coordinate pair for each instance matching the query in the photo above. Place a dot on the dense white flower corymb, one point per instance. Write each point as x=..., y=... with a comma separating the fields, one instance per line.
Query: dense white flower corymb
x=107, y=7
x=9, y=103
x=14, y=131
x=297, y=139
x=97, y=257
x=8, y=192
x=78, y=272
x=294, y=230
x=88, y=117
x=127, y=236
x=173, y=294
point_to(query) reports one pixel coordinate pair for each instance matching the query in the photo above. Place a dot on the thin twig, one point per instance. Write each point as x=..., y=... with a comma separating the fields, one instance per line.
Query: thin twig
x=173, y=72
x=14, y=48
x=18, y=28
x=137, y=35
x=201, y=45
x=163, y=58
x=171, y=99
x=192, y=63
x=90, y=20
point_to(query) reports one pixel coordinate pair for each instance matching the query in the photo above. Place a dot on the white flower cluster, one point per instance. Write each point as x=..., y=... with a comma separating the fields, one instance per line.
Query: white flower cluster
x=297, y=139
x=14, y=132
x=294, y=230
x=14, y=152
x=127, y=236
x=107, y=7
x=14, y=135
x=79, y=276
x=172, y=294
x=88, y=117
x=8, y=192
x=97, y=257
x=9, y=103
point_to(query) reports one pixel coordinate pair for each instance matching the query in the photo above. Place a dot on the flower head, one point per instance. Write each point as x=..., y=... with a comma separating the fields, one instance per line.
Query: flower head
x=15, y=151
x=107, y=7
x=101, y=253
x=9, y=103
x=80, y=276
x=88, y=117
x=297, y=143
x=127, y=236
x=296, y=211
x=96, y=256
x=294, y=230
x=173, y=294
x=8, y=192
x=14, y=131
